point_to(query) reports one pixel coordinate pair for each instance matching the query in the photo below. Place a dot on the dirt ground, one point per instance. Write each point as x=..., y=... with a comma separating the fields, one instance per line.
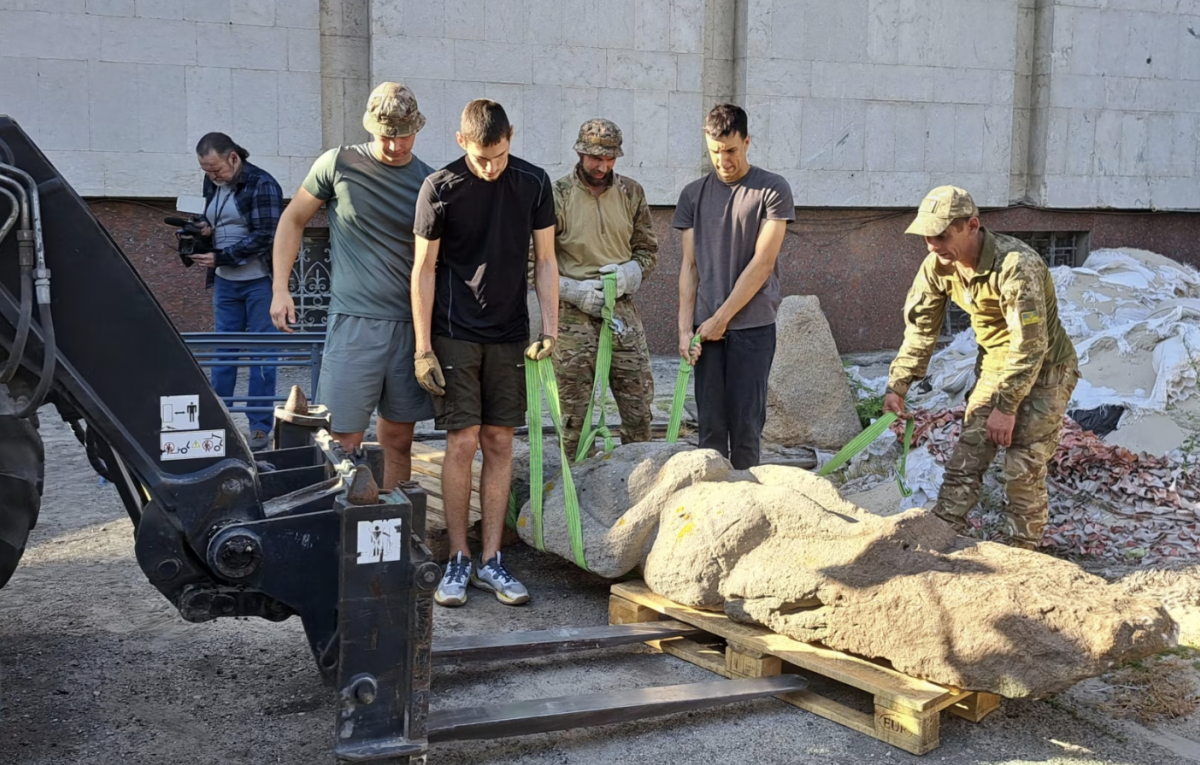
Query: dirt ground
x=97, y=668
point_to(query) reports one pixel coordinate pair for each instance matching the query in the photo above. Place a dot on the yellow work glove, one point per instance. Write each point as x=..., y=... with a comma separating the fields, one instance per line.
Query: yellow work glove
x=429, y=373
x=540, y=349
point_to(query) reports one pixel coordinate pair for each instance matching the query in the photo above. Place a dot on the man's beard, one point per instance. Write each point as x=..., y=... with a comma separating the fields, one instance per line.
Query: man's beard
x=591, y=180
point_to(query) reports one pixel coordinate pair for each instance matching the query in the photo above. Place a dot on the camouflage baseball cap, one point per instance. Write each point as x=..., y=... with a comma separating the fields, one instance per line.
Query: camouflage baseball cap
x=940, y=207
x=599, y=138
x=392, y=111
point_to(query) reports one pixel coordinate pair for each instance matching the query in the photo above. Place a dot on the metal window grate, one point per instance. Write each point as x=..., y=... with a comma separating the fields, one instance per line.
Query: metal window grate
x=1057, y=248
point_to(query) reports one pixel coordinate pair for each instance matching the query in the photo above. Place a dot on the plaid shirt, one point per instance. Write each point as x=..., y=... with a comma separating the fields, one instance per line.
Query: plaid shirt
x=259, y=199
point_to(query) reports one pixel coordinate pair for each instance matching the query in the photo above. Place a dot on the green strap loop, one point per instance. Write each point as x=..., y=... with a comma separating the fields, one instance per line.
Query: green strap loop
x=681, y=383
x=600, y=386
x=865, y=439
x=539, y=378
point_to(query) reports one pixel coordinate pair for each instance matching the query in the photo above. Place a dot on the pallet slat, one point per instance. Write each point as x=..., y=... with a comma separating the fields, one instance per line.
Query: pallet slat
x=907, y=711
x=920, y=695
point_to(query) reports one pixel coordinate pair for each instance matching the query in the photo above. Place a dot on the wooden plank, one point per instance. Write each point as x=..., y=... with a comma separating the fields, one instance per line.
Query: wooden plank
x=433, y=489
x=749, y=663
x=425, y=467
x=831, y=710
x=714, y=660
x=706, y=657
x=622, y=611
x=882, y=682
x=975, y=706
x=905, y=728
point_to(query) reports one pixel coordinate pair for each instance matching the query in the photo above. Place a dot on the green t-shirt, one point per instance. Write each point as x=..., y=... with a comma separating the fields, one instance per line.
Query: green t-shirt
x=370, y=208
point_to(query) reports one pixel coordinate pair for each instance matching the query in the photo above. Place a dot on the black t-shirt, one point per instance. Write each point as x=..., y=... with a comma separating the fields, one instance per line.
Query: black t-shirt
x=484, y=228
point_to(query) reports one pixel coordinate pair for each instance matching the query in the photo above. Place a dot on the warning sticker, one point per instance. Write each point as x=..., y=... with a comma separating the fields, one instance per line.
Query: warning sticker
x=192, y=445
x=179, y=412
x=379, y=541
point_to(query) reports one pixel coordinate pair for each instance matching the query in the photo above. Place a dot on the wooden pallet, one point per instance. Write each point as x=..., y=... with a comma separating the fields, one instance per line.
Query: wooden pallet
x=907, y=711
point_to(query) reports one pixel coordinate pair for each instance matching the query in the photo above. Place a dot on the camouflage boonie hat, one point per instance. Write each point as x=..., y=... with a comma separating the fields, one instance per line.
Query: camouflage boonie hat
x=392, y=111
x=940, y=207
x=599, y=138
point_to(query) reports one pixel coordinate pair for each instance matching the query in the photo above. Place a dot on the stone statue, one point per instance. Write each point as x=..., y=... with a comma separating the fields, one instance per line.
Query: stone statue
x=778, y=546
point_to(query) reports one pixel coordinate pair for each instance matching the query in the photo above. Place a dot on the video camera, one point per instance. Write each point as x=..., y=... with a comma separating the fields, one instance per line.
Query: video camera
x=188, y=236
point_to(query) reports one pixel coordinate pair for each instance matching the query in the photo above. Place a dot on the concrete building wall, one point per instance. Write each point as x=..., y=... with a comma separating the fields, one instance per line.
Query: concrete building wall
x=869, y=103
x=1116, y=98
x=554, y=64
x=117, y=92
x=859, y=103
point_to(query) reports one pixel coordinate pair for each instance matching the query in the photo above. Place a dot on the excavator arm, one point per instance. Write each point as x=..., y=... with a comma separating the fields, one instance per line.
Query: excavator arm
x=298, y=531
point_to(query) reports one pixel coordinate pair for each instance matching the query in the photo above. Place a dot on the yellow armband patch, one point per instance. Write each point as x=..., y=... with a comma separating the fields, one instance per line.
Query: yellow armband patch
x=1030, y=317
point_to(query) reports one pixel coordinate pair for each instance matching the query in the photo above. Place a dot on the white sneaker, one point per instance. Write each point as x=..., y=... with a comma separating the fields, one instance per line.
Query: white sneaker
x=494, y=577
x=452, y=591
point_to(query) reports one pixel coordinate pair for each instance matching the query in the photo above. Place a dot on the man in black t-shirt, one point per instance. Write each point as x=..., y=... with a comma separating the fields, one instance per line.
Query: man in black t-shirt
x=473, y=223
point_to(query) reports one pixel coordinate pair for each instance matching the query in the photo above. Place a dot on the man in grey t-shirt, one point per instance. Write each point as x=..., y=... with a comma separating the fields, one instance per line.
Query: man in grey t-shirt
x=370, y=191
x=733, y=221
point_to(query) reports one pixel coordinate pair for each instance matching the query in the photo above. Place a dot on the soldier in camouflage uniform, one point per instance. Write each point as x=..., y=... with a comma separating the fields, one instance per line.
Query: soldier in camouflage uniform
x=603, y=226
x=1027, y=367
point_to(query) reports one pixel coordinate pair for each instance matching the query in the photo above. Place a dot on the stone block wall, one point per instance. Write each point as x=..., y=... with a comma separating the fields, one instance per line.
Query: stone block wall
x=554, y=64
x=1116, y=99
x=117, y=92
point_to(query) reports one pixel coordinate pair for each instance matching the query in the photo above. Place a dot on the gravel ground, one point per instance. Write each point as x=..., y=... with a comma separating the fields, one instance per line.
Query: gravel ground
x=97, y=668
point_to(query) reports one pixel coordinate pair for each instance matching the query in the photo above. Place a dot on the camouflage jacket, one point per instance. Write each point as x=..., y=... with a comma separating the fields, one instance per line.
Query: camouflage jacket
x=592, y=231
x=1013, y=311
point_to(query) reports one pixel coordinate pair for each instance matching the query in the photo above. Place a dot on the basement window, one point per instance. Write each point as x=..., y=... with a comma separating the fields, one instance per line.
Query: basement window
x=1057, y=248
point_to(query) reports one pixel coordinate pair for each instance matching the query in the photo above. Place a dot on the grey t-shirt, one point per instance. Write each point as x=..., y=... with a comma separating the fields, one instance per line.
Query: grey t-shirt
x=726, y=218
x=229, y=228
x=370, y=208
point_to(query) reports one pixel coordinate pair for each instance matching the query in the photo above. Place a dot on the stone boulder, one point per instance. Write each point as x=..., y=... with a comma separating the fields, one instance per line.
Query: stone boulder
x=809, y=402
x=778, y=546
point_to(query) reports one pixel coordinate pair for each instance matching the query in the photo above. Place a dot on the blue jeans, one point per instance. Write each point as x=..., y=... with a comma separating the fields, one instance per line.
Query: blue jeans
x=245, y=307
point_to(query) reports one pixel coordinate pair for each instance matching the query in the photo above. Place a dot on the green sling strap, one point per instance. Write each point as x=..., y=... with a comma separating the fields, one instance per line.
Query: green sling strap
x=600, y=387
x=681, y=383
x=865, y=439
x=539, y=378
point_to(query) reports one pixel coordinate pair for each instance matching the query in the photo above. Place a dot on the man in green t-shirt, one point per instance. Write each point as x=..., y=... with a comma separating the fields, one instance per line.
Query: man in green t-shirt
x=370, y=192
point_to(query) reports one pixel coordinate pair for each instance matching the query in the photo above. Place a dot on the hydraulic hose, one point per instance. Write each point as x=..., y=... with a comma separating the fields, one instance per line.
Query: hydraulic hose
x=42, y=289
x=49, y=361
x=25, y=317
x=12, y=214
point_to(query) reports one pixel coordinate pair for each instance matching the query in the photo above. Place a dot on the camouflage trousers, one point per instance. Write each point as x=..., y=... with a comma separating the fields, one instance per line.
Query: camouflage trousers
x=1035, y=437
x=630, y=377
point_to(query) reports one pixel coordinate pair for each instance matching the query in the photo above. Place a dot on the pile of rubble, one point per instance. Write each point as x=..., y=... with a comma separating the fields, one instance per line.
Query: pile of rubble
x=1104, y=499
x=1130, y=492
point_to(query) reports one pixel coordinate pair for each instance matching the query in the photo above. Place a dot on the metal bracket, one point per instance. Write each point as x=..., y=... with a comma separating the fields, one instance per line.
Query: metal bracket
x=385, y=627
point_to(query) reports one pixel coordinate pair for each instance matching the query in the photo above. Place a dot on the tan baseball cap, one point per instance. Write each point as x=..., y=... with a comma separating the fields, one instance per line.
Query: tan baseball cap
x=392, y=111
x=940, y=207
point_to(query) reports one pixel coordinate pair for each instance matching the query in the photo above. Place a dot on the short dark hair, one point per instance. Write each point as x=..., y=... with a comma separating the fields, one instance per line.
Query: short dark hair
x=221, y=144
x=726, y=119
x=484, y=122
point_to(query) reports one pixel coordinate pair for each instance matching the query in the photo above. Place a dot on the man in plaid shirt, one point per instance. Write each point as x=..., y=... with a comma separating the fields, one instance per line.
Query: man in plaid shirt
x=243, y=204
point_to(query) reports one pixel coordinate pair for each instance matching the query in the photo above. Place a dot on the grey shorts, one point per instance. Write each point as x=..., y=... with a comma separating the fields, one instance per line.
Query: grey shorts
x=368, y=364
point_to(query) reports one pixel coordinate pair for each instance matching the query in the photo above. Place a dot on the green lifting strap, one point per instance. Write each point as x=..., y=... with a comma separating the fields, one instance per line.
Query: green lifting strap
x=681, y=383
x=539, y=378
x=600, y=386
x=865, y=439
